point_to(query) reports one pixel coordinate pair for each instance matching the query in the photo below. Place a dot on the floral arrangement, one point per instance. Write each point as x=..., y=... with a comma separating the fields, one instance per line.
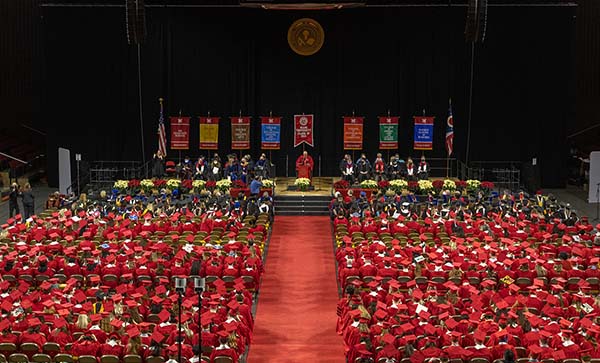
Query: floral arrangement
x=341, y=184
x=487, y=185
x=158, y=183
x=449, y=185
x=383, y=184
x=368, y=184
x=425, y=186
x=147, y=185
x=413, y=186
x=173, y=184
x=187, y=184
x=461, y=184
x=134, y=183
x=473, y=184
x=211, y=184
x=198, y=185
x=302, y=183
x=121, y=185
x=268, y=183
x=238, y=184
x=224, y=185
x=438, y=184
x=398, y=185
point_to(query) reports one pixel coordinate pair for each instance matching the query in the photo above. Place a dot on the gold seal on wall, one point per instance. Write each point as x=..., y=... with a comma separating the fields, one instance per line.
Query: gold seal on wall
x=306, y=36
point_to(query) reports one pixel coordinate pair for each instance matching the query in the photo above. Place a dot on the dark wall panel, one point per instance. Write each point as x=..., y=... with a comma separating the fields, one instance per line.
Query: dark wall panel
x=374, y=60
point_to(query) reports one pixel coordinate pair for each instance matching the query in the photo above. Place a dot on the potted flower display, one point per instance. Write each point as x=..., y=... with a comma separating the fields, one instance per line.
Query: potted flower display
x=198, y=185
x=302, y=183
x=398, y=185
x=368, y=184
x=473, y=185
x=425, y=186
x=147, y=185
x=224, y=185
x=121, y=185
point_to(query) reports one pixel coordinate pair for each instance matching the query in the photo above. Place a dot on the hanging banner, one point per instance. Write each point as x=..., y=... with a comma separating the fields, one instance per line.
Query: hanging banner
x=270, y=128
x=353, y=133
x=180, y=133
x=303, y=129
x=240, y=133
x=388, y=132
x=209, y=133
x=423, y=132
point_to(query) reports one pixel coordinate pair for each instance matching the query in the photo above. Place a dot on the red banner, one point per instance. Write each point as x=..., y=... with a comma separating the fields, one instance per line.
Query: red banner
x=180, y=133
x=303, y=129
x=388, y=132
x=209, y=133
x=240, y=133
x=270, y=130
x=353, y=133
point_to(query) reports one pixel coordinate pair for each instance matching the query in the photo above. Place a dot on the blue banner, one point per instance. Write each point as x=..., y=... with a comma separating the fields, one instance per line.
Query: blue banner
x=270, y=133
x=423, y=133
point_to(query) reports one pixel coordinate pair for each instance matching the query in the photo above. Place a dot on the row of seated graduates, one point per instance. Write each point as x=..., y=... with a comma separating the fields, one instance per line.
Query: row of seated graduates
x=41, y=308
x=527, y=284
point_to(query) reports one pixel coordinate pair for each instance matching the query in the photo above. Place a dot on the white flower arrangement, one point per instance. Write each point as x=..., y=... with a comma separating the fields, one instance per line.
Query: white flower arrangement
x=268, y=183
x=121, y=185
x=449, y=185
x=198, y=184
x=173, y=184
x=368, y=184
x=147, y=185
x=224, y=185
x=425, y=186
x=302, y=182
x=473, y=184
x=398, y=185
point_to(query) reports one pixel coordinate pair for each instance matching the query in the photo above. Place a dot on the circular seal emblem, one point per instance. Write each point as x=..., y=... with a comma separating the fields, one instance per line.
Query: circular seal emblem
x=306, y=36
x=303, y=121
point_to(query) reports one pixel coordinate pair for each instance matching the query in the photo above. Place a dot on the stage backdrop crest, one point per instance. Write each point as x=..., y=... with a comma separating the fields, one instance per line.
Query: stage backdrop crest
x=180, y=133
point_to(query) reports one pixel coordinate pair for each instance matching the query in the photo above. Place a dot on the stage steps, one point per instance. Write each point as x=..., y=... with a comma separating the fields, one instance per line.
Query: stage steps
x=307, y=205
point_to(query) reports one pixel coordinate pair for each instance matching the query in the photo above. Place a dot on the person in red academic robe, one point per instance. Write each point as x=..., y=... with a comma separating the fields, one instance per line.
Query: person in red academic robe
x=304, y=165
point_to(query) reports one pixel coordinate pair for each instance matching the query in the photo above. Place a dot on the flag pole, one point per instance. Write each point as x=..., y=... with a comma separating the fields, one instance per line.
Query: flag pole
x=271, y=150
x=447, y=151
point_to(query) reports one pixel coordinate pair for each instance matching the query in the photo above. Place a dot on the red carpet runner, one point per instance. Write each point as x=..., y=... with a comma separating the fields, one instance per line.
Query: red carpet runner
x=295, y=319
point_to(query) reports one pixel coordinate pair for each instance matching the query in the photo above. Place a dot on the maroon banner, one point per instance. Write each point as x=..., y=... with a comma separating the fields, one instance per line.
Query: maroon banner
x=240, y=133
x=353, y=133
x=209, y=133
x=270, y=130
x=303, y=129
x=180, y=133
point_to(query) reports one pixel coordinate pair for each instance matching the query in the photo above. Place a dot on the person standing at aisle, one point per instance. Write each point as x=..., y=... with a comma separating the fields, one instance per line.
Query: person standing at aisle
x=13, y=203
x=28, y=201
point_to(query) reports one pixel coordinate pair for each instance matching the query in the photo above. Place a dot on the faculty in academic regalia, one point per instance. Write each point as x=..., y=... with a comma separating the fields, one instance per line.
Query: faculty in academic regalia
x=347, y=169
x=305, y=165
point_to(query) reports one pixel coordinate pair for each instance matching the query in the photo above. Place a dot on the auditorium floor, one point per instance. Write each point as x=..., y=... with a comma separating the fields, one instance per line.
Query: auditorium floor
x=40, y=193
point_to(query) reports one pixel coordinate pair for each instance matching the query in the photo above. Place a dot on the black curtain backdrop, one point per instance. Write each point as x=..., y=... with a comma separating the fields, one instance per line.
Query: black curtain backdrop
x=373, y=60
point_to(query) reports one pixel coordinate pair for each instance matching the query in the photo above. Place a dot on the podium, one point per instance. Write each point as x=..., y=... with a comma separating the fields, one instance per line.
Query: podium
x=303, y=171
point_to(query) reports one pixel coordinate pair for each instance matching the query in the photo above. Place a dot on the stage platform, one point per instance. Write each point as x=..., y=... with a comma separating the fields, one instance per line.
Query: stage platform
x=322, y=187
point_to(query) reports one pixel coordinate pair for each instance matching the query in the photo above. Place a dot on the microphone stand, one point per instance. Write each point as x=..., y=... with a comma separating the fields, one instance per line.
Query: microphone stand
x=179, y=328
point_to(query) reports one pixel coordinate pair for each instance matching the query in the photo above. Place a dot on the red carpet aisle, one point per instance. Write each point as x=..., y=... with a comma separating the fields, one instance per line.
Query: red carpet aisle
x=295, y=319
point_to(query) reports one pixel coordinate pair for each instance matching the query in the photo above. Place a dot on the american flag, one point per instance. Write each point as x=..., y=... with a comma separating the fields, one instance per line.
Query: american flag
x=162, y=133
x=450, y=131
